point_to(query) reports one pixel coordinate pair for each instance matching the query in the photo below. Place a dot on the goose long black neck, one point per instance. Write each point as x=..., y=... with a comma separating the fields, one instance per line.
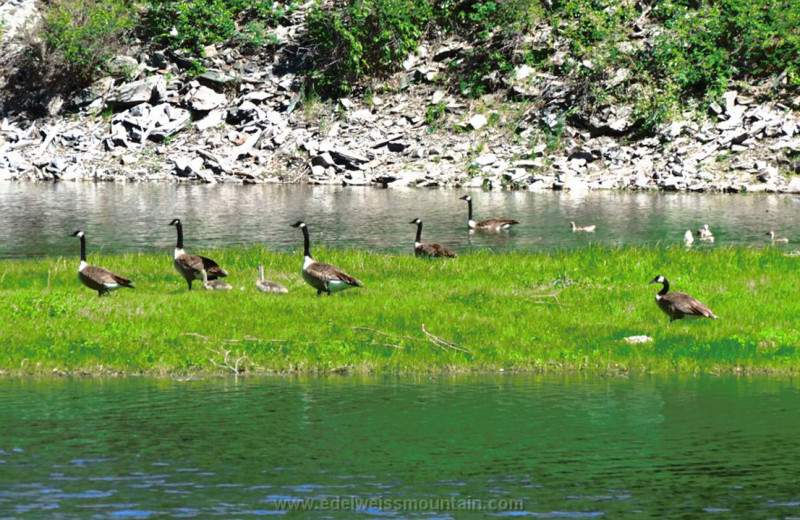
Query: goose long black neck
x=469, y=205
x=306, y=243
x=179, y=245
x=83, y=248
x=419, y=232
x=664, y=287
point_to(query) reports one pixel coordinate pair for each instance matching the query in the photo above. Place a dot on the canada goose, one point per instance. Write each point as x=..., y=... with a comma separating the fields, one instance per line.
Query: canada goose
x=705, y=232
x=585, y=229
x=429, y=249
x=96, y=278
x=679, y=305
x=267, y=286
x=688, y=239
x=777, y=240
x=216, y=285
x=194, y=267
x=492, y=224
x=322, y=277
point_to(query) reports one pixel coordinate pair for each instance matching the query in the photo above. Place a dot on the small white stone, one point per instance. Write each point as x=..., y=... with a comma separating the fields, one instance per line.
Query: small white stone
x=638, y=339
x=477, y=121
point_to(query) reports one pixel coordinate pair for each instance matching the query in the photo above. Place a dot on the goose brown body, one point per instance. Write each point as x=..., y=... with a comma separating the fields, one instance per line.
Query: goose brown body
x=492, y=224
x=194, y=267
x=98, y=278
x=429, y=249
x=679, y=305
x=325, y=278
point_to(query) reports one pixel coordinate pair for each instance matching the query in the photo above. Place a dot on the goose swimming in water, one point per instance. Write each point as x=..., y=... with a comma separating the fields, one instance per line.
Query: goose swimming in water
x=492, y=224
x=585, y=229
x=775, y=240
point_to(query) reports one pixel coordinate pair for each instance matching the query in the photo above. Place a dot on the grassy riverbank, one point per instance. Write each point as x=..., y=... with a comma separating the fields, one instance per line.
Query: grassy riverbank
x=482, y=312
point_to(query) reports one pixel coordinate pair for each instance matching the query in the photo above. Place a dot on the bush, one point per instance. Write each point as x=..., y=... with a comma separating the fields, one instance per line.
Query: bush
x=497, y=28
x=79, y=36
x=706, y=45
x=366, y=37
x=192, y=24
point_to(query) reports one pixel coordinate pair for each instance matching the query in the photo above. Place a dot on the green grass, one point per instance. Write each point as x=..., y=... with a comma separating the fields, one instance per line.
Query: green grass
x=490, y=307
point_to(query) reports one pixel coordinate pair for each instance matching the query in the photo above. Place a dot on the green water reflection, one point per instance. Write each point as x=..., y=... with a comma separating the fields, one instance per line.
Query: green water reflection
x=570, y=446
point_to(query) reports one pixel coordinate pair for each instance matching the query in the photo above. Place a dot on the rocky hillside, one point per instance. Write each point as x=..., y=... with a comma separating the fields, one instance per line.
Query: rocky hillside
x=244, y=119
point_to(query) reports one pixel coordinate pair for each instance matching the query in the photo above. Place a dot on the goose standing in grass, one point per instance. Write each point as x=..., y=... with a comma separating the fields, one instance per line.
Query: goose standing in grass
x=584, y=229
x=194, y=267
x=492, y=224
x=777, y=240
x=429, y=249
x=267, y=286
x=325, y=278
x=96, y=278
x=688, y=238
x=678, y=305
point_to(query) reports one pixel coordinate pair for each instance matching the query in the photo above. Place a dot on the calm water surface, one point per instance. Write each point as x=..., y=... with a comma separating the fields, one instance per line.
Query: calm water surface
x=566, y=446
x=35, y=218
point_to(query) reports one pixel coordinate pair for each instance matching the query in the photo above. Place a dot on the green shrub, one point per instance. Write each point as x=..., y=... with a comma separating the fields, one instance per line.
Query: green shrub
x=497, y=28
x=190, y=24
x=712, y=42
x=366, y=37
x=79, y=36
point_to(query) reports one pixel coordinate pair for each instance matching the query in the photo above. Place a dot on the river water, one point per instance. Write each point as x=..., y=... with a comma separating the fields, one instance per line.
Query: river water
x=540, y=446
x=36, y=218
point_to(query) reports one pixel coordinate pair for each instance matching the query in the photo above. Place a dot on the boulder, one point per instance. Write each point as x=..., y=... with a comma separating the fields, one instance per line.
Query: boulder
x=204, y=99
x=148, y=90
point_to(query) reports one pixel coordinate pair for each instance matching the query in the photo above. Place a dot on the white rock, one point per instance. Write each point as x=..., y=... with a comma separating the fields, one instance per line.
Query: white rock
x=638, y=339
x=485, y=159
x=478, y=121
x=214, y=118
x=205, y=99
x=794, y=185
x=523, y=72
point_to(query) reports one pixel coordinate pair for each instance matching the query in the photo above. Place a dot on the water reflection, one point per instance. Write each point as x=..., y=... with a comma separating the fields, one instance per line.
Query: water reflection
x=571, y=446
x=36, y=217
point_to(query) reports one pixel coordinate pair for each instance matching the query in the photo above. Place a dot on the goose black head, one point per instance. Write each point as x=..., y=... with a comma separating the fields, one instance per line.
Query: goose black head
x=465, y=197
x=175, y=222
x=416, y=221
x=658, y=279
x=299, y=224
x=77, y=233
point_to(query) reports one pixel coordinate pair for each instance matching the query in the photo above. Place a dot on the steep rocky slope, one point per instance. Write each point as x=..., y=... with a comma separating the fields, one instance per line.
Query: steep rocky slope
x=244, y=120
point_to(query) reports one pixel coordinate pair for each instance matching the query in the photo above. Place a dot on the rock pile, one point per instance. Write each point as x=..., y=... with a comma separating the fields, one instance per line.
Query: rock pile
x=245, y=121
